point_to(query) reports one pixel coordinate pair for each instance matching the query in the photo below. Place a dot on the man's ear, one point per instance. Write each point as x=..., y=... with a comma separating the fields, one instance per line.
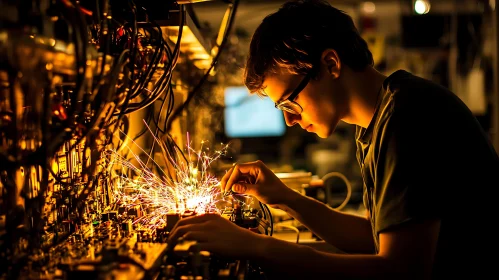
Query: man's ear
x=331, y=60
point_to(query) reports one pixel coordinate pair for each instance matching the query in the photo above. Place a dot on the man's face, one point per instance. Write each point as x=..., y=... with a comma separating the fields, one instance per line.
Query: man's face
x=320, y=100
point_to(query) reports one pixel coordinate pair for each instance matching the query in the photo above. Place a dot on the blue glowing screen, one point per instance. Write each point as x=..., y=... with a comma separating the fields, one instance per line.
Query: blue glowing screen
x=249, y=115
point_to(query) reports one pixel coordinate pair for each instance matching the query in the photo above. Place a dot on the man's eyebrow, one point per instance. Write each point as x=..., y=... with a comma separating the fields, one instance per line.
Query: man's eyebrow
x=285, y=95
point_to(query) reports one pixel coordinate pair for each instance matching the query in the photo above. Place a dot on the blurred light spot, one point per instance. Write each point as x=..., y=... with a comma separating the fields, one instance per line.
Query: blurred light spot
x=421, y=7
x=368, y=7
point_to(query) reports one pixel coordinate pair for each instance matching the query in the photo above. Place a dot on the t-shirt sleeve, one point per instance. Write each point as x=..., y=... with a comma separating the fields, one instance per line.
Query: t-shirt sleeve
x=409, y=161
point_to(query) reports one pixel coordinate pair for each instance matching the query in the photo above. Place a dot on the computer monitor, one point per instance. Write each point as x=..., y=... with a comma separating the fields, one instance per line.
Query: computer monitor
x=251, y=116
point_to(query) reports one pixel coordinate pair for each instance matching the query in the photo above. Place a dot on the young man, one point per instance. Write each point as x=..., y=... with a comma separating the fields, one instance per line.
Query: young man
x=429, y=169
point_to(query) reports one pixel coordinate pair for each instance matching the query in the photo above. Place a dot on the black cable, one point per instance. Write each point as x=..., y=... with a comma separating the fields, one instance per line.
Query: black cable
x=126, y=124
x=163, y=81
x=268, y=216
x=109, y=89
x=132, y=58
x=171, y=152
x=37, y=203
x=144, y=129
x=157, y=120
x=158, y=129
x=77, y=24
x=157, y=92
x=77, y=21
x=156, y=133
x=177, y=148
x=191, y=94
x=151, y=69
x=149, y=102
x=169, y=109
x=104, y=44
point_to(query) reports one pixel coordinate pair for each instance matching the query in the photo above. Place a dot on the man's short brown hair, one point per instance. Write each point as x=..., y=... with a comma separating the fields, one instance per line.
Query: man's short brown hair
x=294, y=37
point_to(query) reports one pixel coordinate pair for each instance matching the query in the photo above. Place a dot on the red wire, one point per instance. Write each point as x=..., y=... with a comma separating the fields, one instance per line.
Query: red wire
x=83, y=10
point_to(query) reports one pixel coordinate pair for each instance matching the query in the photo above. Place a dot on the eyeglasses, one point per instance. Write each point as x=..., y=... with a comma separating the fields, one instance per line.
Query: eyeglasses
x=290, y=106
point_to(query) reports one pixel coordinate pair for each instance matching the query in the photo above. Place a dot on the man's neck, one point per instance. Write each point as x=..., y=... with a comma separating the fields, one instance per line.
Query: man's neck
x=364, y=89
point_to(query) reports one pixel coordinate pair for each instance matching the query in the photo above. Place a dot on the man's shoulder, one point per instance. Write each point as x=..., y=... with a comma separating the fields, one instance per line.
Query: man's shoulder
x=417, y=95
x=405, y=86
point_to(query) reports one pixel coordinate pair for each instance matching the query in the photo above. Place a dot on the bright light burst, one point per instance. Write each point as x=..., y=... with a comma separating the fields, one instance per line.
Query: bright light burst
x=190, y=188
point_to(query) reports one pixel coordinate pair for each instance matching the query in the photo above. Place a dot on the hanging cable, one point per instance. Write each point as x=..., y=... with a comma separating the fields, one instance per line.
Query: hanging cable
x=230, y=19
x=347, y=183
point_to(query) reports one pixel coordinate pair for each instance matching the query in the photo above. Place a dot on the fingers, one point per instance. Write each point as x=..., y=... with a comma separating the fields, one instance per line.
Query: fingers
x=240, y=173
x=240, y=188
x=190, y=223
x=233, y=178
x=199, y=236
x=224, y=180
x=243, y=188
x=190, y=231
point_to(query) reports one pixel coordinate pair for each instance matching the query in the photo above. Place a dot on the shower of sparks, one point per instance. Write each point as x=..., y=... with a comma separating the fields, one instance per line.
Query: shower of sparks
x=189, y=189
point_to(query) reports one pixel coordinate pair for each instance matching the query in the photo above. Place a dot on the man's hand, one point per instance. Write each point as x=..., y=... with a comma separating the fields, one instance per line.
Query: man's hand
x=218, y=235
x=254, y=178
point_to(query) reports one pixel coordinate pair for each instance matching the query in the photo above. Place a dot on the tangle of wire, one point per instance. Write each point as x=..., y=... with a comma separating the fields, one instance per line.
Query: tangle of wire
x=105, y=91
x=233, y=9
x=113, y=95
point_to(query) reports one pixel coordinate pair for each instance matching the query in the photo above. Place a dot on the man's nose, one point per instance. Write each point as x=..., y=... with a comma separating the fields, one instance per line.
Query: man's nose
x=291, y=119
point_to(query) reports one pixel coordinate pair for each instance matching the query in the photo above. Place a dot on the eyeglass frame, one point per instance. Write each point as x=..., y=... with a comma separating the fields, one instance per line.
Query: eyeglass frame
x=293, y=95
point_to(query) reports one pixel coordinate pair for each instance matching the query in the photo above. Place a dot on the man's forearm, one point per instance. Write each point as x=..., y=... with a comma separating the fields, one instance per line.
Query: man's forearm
x=294, y=261
x=347, y=232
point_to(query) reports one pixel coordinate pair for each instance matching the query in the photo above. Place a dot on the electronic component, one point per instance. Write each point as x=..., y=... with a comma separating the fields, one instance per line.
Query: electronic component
x=76, y=80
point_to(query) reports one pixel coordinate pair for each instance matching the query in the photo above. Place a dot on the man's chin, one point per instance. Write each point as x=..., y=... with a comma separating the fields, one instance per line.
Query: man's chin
x=326, y=132
x=322, y=134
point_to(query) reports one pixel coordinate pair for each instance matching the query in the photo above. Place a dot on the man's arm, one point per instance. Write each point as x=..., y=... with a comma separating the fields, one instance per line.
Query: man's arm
x=349, y=233
x=405, y=253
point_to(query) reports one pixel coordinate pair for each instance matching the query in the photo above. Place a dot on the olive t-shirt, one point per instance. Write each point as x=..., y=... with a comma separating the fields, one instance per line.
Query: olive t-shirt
x=425, y=156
